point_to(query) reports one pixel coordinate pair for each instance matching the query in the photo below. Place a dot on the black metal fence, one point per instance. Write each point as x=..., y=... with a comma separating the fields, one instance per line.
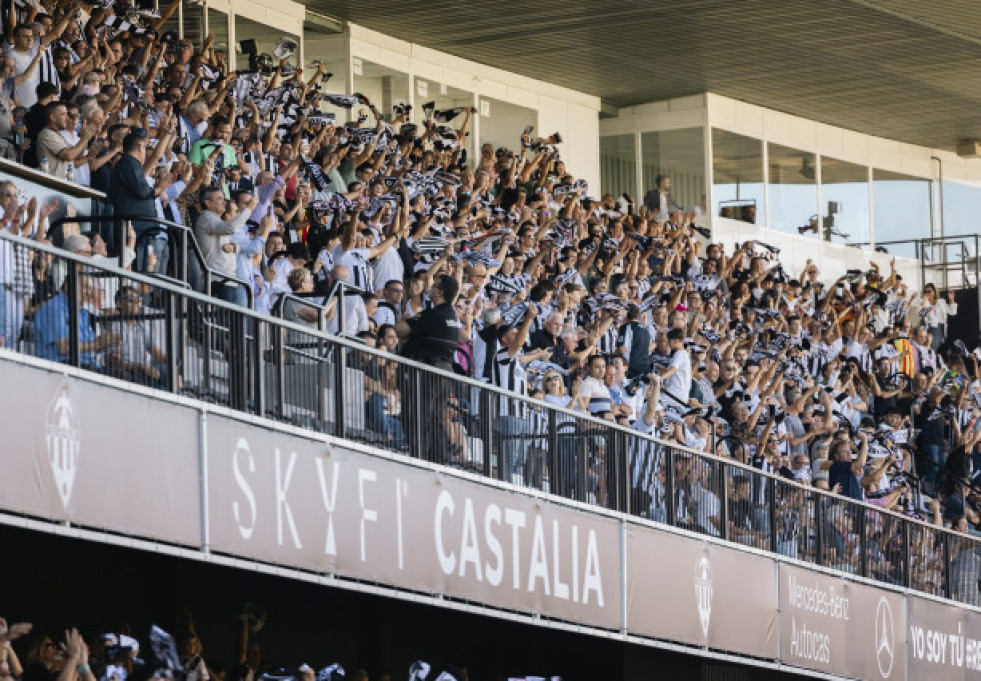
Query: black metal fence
x=152, y=332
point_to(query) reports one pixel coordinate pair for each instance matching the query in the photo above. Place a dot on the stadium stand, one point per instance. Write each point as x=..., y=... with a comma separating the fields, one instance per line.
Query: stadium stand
x=373, y=281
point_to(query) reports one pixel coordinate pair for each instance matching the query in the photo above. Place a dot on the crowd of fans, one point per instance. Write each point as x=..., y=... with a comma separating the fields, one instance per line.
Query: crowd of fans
x=99, y=655
x=498, y=267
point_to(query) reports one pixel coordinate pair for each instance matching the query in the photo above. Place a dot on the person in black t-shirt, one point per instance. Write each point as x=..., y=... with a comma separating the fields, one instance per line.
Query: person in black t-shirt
x=844, y=471
x=430, y=337
x=549, y=338
x=433, y=335
x=635, y=341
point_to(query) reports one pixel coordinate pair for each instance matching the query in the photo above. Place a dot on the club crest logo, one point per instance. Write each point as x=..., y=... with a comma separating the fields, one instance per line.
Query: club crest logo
x=703, y=592
x=63, y=442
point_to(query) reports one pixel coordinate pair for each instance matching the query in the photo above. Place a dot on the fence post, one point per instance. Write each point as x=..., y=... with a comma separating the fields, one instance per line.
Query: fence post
x=552, y=465
x=907, y=566
x=819, y=528
x=340, y=364
x=863, y=554
x=772, y=483
x=119, y=236
x=946, y=581
x=74, y=308
x=257, y=366
x=207, y=323
x=627, y=505
x=669, y=485
x=184, y=253
x=171, y=346
x=279, y=357
x=484, y=426
x=238, y=360
x=324, y=350
x=724, y=515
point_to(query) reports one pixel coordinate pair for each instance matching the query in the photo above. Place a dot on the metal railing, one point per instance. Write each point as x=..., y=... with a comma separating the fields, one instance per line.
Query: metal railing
x=21, y=173
x=188, y=267
x=934, y=255
x=289, y=304
x=181, y=341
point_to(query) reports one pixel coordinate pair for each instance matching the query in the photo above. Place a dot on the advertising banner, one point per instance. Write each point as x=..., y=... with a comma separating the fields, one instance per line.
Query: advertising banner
x=694, y=592
x=831, y=624
x=287, y=500
x=85, y=453
x=944, y=641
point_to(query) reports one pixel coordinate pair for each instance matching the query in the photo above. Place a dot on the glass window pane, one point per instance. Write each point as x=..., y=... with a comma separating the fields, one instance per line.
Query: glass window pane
x=384, y=87
x=679, y=155
x=218, y=27
x=737, y=182
x=793, y=189
x=845, y=195
x=79, y=205
x=902, y=209
x=618, y=165
x=443, y=97
x=962, y=210
x=265, y=38
x=331, y=49
x=173, y=23
x=505, y=123
x=194, y=25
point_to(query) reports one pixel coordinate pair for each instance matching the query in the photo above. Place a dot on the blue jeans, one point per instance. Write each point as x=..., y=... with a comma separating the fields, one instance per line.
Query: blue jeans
x=162, y=383
x=934, y=455
x=380, y=422
x=231, y=293
x=161, y=248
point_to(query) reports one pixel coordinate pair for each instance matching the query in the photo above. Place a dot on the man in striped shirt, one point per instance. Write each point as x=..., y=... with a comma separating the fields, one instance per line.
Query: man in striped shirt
x=355, y=251
x=594, y=391
x=508, y=372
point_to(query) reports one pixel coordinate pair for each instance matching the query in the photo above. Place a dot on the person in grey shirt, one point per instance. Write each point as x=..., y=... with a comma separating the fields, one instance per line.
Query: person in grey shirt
x=214, y=236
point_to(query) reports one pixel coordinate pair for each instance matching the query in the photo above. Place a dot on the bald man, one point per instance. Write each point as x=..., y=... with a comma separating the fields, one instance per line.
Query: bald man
x=355, y=315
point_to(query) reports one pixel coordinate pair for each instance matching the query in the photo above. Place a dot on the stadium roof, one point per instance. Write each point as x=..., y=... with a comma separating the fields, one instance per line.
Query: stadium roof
x=902, y=69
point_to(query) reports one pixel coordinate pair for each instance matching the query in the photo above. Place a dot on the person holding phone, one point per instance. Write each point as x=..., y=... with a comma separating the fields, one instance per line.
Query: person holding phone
x=220, y=137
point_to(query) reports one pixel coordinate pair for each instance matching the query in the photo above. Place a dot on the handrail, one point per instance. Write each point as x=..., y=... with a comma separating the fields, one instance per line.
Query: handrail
x=187, y=242
x=49, y=181
x=592, y=425
x=946, y=237
x=340, y=289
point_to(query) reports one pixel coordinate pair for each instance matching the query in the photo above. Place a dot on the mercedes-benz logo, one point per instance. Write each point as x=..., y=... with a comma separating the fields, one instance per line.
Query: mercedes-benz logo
x=885, y=637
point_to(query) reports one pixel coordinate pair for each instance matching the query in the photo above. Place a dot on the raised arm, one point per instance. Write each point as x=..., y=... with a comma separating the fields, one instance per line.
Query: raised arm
x=522, y=336
x=858, y=465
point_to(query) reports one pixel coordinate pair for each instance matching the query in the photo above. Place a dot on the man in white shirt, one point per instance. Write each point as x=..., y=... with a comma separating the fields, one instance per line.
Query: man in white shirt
x=24, y=50
x=677, y=376
x=355, y=316
x=51, y=144
x=353, y=253
x=390, y=307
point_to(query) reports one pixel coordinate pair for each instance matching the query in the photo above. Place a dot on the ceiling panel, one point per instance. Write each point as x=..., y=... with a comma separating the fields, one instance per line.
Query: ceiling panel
x=902, y=69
